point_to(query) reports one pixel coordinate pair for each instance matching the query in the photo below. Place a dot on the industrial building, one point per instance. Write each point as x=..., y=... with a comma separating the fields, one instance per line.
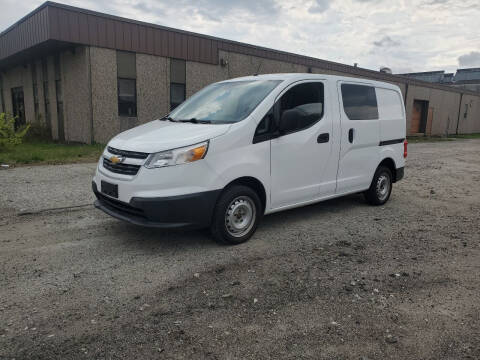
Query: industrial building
x=87, y=76
x=464, y=78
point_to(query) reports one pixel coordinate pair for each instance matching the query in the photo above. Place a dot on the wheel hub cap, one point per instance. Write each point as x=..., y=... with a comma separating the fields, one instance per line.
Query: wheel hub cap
x=240, y=216
x=383, y=187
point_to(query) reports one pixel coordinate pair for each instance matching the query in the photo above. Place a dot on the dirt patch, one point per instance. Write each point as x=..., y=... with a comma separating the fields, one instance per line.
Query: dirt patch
x=336, y=280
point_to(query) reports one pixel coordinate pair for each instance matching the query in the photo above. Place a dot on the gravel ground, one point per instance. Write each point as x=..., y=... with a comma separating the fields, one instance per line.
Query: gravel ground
x=336, y=280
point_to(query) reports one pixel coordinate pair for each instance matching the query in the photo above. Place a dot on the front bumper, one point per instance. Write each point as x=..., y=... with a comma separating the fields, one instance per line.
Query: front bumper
x=181, y=211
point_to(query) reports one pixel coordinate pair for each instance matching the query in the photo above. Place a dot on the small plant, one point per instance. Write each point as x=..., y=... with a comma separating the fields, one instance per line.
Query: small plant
x=39, y=131
x=8, y=135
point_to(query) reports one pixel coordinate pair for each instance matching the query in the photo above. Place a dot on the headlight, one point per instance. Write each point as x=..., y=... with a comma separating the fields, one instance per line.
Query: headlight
x=177, y=156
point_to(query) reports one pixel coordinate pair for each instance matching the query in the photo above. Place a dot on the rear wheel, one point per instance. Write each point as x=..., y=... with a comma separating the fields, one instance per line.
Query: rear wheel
x=380, y=188
x=236, y=215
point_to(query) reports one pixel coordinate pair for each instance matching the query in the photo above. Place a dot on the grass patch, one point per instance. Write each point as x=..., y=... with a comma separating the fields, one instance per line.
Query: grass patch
x=420, y=139
x=468, y=136
x=41, y=152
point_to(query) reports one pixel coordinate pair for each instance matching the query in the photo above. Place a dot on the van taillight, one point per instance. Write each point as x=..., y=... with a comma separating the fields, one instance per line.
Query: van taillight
x=405, y=152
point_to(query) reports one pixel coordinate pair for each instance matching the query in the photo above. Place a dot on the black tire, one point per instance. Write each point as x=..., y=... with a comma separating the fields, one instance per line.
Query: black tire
x=380, y=188
x=235, y=199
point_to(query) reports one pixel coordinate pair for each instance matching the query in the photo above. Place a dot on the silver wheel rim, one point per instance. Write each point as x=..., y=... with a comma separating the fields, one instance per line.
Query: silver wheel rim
x=240, y=216
x=383, y=187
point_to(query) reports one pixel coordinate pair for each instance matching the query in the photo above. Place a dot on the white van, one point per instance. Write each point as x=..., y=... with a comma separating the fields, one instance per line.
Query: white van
x=245, y=147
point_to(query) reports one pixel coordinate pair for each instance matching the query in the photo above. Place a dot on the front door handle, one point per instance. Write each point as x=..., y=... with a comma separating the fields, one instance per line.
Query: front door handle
x=350, y=135
x=323, y=138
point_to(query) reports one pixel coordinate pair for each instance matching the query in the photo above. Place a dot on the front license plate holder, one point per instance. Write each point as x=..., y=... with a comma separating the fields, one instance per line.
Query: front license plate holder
x=109, y=189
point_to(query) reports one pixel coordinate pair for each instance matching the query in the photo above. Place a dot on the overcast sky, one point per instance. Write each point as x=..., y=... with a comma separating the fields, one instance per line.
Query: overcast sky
x=405, y=35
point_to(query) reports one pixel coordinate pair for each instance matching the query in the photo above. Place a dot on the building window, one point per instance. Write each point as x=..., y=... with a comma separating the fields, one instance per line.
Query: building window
x=18, y=106
x=359, y=102
x=46, y=95
x=127, y=84
x=35, y=90
x=177, y=82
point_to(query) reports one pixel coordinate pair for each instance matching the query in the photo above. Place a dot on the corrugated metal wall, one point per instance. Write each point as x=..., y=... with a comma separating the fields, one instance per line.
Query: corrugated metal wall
x=29, y=32
x=89, y=29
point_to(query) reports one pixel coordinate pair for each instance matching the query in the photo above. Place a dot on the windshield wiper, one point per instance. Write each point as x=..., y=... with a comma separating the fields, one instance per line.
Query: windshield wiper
x=169, y=118
x=196, y=121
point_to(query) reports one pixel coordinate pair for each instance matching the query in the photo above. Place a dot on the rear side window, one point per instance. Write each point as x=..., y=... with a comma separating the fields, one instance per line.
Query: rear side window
x=390, y=104
x=359, y=102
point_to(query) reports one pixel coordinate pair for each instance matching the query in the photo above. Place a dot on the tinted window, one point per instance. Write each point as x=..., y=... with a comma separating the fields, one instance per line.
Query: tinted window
x=359, y=102
x=302, y=106
x=177, y=82
x=127, y=83
x=177, y=71
x=127, y=98
x=126, y=65
x=177, y=95
x=265, y=128
x=390, y=104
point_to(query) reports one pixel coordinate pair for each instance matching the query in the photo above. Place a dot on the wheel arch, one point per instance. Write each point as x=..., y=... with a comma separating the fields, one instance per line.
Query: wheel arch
x=253, y=183
x=389, y=163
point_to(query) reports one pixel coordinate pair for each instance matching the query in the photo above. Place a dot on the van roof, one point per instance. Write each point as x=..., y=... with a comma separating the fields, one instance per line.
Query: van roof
x=291, y=77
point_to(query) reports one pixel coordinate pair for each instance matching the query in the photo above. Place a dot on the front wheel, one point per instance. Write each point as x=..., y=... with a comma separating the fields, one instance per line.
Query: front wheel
x=236, y=215
x=381, y=187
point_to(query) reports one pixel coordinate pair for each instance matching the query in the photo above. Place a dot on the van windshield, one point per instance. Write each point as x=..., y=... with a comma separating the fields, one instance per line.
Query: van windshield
x=227, y=102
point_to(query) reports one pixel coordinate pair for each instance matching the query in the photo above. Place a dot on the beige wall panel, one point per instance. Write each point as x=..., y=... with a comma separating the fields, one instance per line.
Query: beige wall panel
x=52, y=97
x=200, y=75
x=244, y=65
x=316, y=70
x=445, y=114
x=41, y=98
x=104, y=94
x=28, y=94
x=152, y=82
x=76, y=95
x=469, y=120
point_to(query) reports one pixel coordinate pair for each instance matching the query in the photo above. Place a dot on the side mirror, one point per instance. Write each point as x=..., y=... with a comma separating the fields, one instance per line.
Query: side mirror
x=299, y=117
x=289, y=120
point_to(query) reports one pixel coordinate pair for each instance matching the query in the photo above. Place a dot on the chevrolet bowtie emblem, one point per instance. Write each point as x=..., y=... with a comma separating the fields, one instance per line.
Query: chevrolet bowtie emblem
x=116, y=159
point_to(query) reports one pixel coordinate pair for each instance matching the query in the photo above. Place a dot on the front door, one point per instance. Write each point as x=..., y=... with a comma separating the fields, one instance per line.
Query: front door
x=18, y=106
x=300, y=155
x=419, y=117
x=360, y=137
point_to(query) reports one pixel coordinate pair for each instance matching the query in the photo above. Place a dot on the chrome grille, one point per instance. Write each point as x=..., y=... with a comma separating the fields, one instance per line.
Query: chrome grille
x=128, y=154
x=125, y=169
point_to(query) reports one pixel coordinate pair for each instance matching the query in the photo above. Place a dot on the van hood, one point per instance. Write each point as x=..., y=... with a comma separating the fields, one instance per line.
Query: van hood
x=159, y=135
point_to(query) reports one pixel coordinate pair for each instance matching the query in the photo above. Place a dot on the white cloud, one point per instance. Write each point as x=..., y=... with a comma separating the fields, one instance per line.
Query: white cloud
x=319, y=6
x=407, y=35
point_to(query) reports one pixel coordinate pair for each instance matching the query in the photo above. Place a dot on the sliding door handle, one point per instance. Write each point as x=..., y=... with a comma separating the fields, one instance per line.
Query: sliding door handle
x=323, y=138
x=350, y=135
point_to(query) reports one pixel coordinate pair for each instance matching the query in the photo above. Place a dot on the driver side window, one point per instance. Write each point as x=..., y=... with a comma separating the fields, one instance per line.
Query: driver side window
x=301, y=107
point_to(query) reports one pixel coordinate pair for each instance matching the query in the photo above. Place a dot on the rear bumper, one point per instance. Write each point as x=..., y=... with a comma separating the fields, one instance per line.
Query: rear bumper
x=182, y=211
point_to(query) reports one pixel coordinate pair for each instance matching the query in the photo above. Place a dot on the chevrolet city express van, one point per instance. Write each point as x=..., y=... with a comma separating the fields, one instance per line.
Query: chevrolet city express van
x=242, y=148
